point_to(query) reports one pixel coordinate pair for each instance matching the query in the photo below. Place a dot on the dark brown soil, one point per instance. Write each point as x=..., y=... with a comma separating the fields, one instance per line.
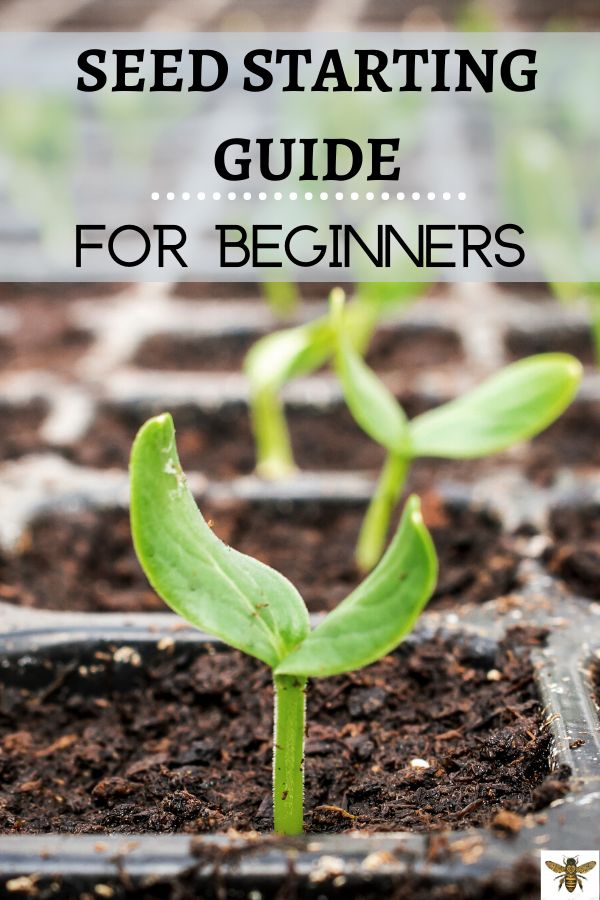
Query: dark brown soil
x=83, y=561
x=408, y=347
x=56, y=291
x=183, y=743
x=192, y=353
x=405, y=348
x=575, y=554
x=571, y=442
x=45, y=337
x=596, y=682
x=219, y=443
x=575, y=339
x=86, y=560
x=208, y=290
x=19, y=425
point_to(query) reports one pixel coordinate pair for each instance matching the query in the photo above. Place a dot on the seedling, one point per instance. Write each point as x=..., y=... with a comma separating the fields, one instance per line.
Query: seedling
x=278, y=358
x=535, y=160
x=255, y=609
x=511, y=406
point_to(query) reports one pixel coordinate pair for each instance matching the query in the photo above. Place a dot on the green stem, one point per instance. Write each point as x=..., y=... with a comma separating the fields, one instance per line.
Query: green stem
x=594, y=313
x=274, y=457
x=376, y=523
x=288, y=754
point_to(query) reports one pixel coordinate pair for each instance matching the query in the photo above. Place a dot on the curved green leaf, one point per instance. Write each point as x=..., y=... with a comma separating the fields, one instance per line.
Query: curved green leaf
x=512, y=406
x=372, y=405
x=276, y=358
x=234, y=597
x=382, y=610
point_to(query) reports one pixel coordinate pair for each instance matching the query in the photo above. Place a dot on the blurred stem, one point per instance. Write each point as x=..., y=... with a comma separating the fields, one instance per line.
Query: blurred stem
x=274, y=456
x=376, y=523
x=288, y=754
x=593, y=303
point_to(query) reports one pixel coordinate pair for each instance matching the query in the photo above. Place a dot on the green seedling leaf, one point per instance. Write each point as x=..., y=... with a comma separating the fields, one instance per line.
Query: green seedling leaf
x=534, y=161
x=512, y=406
x=372, y=405
x=224, y=593
x=278, y=357
x=382, y=610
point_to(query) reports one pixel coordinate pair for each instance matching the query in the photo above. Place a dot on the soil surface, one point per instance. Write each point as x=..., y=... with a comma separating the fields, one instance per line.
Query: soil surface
x=218, y=290
x=219, y=443
x=571, y=442
x=19, y=426
x=183, y=742
x=196, y=353
x=85, y=560
x=44, y=338
x=596, y=682
x=405, y=347
x=250, y=290
x=575, y=339
x=575, y=553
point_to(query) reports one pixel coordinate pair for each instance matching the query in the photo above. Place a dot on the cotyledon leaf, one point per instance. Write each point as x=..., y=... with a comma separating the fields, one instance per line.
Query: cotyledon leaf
x=219, y=590
x=511, y=406
x=382, y=610
x=282, y=355
x=372, y=404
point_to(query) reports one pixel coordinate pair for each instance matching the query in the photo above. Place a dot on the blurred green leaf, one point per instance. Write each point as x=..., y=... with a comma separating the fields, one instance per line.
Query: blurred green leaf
x=287, y=354
x=372, y=405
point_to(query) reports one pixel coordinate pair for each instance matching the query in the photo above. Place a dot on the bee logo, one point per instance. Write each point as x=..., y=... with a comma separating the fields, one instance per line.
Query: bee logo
x=570, y=873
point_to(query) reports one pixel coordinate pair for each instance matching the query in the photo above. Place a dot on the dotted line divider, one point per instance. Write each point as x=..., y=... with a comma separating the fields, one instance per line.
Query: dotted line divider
x=308, y=195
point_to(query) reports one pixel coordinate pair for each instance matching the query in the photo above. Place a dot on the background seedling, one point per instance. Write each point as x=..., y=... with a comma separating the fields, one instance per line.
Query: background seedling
x=543, y=188
x=278, y=358
x=511, y=406
x=256, y=610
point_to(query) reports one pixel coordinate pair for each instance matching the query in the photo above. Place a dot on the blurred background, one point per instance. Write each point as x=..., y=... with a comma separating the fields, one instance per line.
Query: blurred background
x=82, y=366
x=238, y=15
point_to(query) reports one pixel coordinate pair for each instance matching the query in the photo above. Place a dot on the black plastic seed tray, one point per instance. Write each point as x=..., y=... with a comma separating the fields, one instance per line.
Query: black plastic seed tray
x=475, y=862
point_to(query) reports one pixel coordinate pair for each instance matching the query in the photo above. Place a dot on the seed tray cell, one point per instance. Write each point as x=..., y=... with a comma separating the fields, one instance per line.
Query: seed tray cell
x=574, y=554
x=223, y=291
x=397, y=348
x=434, y=350
x=83, y=559
x=501, y=861
x=573, y=338
x=20, y=424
